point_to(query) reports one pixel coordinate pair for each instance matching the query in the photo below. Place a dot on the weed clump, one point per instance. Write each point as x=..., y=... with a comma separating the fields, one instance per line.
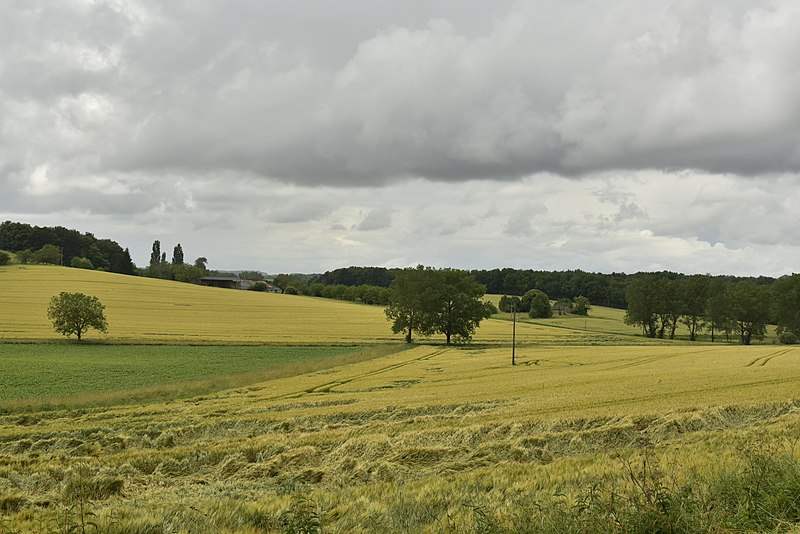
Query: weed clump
x=11, y=502
x=758, y=493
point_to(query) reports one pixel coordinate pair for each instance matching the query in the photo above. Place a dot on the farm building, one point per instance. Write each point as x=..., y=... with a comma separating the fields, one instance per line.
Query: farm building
x=233, y=282
x=227, y=282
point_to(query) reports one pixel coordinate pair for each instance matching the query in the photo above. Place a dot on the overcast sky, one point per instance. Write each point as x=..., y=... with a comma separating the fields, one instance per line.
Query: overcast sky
x=620, y=135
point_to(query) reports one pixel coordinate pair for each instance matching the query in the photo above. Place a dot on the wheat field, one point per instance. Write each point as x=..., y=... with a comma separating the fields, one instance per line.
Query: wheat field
x=146, y=310
x=424, y=429
x=424, y=438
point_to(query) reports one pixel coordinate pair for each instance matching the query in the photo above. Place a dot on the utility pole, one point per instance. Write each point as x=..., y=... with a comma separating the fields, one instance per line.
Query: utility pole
x=513, y=333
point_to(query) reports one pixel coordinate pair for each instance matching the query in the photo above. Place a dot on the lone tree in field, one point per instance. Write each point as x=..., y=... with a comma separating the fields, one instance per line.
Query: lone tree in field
x=429, y=301
x=409, y=303
x=74, y=313
x=459, y=309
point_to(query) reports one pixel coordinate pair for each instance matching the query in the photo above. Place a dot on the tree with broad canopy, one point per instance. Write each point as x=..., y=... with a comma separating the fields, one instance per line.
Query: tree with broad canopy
x=74, y=313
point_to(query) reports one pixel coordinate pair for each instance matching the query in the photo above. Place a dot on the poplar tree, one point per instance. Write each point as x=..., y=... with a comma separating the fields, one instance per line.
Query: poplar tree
x=155, y=255
x=177, y=255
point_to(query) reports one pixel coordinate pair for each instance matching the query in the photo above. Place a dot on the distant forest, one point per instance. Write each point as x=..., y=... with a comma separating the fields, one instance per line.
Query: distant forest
x=600, y=289
x=73, y=247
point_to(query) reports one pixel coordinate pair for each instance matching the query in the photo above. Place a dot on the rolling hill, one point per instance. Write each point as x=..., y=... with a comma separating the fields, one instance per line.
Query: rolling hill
x=147, y=310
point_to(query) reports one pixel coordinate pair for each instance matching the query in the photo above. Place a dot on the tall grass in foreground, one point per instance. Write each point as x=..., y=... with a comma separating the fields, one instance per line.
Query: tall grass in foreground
x=758, y=492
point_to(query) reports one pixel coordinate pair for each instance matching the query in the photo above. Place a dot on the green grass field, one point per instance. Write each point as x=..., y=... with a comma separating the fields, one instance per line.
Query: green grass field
x=323, y=426
x=39, y=374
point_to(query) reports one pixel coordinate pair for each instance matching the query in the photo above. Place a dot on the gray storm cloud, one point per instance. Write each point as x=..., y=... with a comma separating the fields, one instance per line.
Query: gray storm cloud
x=368, y=93
x=304, y=136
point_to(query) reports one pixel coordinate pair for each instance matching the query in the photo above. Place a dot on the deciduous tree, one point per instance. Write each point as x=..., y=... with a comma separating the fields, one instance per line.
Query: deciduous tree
x=787, y=305
x=669, y=295
x=457, y=305
x=718, y=310
x=642, y=305
x=507, y=303
x=581, y=305
x=538, y=304
x=409, y=308
x=429, y=301
x=750, y=309
x=696, y=294
x=81, y=263
x=25, y=256
x=48, y=254
x=74, y=313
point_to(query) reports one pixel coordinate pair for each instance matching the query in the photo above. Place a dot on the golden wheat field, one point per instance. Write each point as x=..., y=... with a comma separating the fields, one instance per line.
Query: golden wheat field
x=146, y=310
x=427, y=439
x=424, y=429
x=149, y=310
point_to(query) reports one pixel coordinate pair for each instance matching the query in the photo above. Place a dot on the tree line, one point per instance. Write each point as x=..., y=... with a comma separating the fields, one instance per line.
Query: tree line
x=357, y=276
x=601, y=289
x=739, y=310
x=62, y=246
x=297, y=284
x=175, y=268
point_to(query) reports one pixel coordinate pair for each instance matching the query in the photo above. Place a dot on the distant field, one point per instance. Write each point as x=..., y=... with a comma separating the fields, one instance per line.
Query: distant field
x=146, y=310
x=600, y=319
x=412, y=442
x=42, y=373
x=611, y=321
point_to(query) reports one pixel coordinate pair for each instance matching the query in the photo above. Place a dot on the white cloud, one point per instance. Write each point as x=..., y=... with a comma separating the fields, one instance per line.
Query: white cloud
x=379, y=133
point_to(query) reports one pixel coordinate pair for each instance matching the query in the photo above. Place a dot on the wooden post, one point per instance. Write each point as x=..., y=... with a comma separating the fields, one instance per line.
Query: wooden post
x=513, y=334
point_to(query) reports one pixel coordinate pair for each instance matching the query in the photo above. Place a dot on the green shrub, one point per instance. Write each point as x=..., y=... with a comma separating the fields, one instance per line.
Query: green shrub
x=25, y=256
x=302, y=518
x=538, y=303
x=259, y=286
x=788, y=338
x=11, y=502
x=81, y=263
x=513, y=302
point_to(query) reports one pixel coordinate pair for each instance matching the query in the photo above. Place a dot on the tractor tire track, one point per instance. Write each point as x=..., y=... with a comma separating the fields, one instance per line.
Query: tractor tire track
x=327, y=387
x=644, y=360
x=761, y=361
